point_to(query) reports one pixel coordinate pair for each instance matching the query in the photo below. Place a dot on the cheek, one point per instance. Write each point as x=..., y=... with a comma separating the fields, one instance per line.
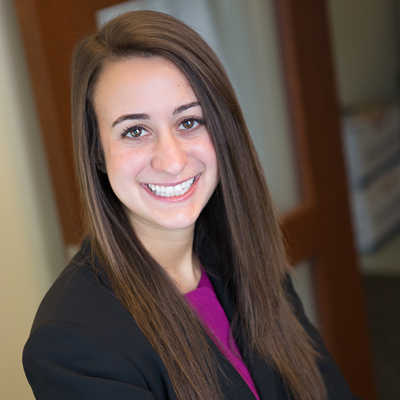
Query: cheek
x=123, y=166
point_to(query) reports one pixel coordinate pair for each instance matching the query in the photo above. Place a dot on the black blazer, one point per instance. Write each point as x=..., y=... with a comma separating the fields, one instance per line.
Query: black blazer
x=85, y=345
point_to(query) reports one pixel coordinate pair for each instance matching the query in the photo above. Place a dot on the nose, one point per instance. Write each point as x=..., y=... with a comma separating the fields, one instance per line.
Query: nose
x=169, y=155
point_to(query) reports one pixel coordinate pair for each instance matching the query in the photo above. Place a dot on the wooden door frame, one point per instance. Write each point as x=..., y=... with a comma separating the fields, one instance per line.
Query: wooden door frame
x=52, y=28
x=327, y=234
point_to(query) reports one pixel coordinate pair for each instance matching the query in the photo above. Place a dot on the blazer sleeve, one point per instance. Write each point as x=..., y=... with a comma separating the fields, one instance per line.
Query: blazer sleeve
x=63, y=361
x=335, y=383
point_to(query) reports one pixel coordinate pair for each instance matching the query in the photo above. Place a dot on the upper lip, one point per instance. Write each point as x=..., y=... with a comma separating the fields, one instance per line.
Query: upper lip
x=170, y=184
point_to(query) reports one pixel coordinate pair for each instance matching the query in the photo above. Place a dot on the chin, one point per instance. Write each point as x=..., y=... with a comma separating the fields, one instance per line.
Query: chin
x=178, y=222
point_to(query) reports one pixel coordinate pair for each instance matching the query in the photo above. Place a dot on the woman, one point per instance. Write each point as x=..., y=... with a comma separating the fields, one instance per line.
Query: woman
x=183, y=239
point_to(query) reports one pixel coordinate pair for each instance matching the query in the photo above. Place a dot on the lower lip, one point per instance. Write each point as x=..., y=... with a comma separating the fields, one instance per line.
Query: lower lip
x=173, y=199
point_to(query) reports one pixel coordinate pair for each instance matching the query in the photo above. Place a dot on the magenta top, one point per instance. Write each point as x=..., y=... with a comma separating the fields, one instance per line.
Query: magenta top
x=205, y=302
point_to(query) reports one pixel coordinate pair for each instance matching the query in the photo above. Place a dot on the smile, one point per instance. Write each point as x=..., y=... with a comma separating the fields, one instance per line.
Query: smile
x=171, y=191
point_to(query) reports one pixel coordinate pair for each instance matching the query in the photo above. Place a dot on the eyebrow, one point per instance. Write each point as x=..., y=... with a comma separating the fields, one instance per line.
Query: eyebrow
x=186, y=107
x=147, y=116
x=129, y=116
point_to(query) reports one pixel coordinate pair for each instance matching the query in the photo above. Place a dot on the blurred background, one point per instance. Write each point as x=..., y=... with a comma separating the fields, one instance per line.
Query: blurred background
x=319, y=86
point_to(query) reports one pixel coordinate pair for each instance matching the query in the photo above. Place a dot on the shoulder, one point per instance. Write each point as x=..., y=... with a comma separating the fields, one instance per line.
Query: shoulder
x=83, y=340
x=81, y=296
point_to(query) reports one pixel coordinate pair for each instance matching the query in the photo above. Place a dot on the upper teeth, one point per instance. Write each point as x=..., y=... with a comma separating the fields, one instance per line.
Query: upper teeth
x=170, y=191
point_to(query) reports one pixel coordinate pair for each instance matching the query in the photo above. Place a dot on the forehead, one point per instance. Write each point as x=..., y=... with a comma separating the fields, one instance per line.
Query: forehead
x=140, y=80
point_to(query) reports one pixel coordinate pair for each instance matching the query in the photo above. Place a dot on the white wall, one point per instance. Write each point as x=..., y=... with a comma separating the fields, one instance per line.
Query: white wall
x=366, y=42
x=30, y=240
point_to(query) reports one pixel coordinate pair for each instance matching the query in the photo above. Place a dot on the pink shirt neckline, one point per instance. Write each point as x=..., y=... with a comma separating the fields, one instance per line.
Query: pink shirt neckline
x=205, y=302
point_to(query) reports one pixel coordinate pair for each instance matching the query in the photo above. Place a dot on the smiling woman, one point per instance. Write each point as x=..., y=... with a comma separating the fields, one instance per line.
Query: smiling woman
x=180, y=289
x=158, y=154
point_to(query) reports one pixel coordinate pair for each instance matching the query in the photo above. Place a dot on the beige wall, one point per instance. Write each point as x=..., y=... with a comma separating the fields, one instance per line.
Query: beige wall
x=30, y=241
x=366, y=42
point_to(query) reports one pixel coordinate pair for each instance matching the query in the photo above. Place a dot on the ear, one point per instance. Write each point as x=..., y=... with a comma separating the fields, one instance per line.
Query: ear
x=99, y=159
x=101, y=166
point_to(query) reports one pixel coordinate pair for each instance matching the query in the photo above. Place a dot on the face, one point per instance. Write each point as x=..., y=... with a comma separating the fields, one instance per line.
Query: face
x=159, y=157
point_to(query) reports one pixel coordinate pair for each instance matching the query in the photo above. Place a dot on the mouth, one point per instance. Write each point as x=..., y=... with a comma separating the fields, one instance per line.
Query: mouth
x=172, y=191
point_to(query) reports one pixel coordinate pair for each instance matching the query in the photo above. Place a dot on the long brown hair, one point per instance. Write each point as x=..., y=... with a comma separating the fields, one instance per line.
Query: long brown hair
x=238, y=227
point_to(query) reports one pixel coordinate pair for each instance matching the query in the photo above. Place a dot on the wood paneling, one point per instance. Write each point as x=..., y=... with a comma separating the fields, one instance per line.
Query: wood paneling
x=50, y=31
x=327, y=233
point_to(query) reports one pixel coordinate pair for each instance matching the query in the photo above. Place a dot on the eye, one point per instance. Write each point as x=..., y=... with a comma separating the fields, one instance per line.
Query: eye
x=133, y=131
x=191, y=123
x=188, y=124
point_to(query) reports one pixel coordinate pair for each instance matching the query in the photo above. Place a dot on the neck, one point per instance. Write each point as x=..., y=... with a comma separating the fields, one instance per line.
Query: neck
x=173, y=250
